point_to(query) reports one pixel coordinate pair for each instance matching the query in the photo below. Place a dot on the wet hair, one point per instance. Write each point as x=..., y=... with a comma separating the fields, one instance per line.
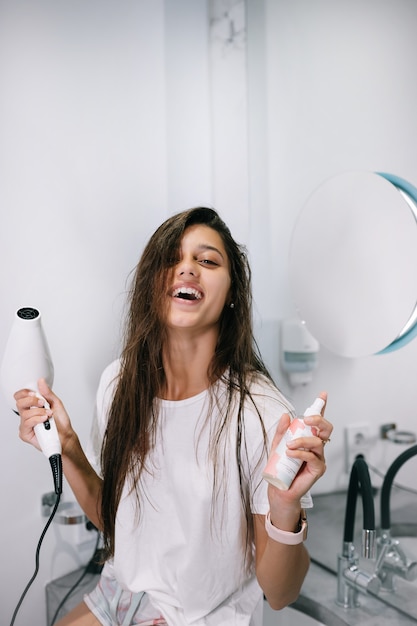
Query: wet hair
x=132, y=419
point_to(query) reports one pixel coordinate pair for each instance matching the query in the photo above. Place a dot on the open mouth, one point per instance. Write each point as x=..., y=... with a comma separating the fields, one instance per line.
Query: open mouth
x=187, y=293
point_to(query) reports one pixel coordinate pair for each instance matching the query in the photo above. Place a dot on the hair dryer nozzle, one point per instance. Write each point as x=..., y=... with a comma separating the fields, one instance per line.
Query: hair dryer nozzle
x=26, y=357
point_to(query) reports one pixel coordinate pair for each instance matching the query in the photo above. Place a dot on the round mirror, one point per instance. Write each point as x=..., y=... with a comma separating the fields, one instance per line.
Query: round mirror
x=353, y=263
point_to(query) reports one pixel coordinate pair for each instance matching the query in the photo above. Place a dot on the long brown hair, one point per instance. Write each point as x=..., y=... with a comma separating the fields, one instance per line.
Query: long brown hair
x=132, y=420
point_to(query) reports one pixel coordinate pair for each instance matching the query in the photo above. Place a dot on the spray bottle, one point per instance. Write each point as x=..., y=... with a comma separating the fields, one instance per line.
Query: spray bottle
x=281, y=469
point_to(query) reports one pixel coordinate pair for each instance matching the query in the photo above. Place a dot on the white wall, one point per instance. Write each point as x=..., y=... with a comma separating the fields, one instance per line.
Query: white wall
x=115, y=115
x=105, y=130
x=335, y=93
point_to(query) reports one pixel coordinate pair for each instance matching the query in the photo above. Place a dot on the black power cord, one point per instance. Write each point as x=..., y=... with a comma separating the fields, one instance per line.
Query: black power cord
x=48, y=523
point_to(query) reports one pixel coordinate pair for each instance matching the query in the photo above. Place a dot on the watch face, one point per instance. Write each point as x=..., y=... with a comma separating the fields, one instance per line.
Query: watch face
x=304, y=523
x=304, y=528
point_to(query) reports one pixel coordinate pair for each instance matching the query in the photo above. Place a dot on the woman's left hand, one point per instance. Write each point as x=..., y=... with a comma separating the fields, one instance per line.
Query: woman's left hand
x=310, y=450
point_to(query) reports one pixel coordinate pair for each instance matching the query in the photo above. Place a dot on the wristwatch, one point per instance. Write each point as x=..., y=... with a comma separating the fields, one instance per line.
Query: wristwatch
x=284, y=536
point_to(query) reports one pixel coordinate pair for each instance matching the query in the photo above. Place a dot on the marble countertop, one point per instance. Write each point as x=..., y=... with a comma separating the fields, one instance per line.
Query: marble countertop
x=324, y=543
x=320, y=587
x=319, y=591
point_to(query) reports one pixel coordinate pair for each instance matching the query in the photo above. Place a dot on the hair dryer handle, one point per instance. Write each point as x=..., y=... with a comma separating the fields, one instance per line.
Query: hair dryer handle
x=48, y=438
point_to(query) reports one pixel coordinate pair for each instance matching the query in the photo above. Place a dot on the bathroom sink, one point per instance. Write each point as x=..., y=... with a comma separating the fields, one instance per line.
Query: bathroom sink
x=409, y=545
x=403, y=595
x=406, y=535
x=403, y=530
x=304, y=612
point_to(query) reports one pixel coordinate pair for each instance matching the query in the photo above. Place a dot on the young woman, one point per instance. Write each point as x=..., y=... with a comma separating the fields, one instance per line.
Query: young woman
x=188, y=415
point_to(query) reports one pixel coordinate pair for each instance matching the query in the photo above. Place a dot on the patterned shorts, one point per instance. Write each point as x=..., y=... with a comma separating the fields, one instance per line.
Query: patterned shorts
x=113, y=606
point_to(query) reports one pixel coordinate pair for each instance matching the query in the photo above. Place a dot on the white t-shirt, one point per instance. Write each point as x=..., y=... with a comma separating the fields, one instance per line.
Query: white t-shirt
x=186, y=555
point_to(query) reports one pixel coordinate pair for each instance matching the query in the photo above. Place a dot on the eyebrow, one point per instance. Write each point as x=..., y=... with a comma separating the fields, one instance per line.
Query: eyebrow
x=206, y=246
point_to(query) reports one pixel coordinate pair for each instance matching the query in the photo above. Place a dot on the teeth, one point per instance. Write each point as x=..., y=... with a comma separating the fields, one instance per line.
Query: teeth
x=189, y=291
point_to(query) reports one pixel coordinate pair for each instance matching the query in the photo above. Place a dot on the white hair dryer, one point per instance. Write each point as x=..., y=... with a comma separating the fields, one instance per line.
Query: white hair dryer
x=27, y=359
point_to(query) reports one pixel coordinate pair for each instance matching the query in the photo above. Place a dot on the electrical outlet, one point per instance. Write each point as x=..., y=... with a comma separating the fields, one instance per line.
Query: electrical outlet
x=357, y=441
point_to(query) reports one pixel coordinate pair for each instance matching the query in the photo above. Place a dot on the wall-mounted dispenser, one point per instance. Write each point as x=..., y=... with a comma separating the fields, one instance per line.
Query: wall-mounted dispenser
x=299, y=351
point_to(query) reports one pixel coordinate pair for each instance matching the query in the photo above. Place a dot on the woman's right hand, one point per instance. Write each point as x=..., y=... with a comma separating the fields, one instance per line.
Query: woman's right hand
x=32, y=412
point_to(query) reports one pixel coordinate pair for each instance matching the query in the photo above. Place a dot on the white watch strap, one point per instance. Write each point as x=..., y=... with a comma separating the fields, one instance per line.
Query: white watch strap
x=284, y=536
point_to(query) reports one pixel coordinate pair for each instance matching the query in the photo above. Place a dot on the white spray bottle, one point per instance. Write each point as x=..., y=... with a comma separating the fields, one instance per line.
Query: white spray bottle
x=27, y=359
x=281, y=469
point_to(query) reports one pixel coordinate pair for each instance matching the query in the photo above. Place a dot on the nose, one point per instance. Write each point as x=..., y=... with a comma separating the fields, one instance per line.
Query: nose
x=187, y=267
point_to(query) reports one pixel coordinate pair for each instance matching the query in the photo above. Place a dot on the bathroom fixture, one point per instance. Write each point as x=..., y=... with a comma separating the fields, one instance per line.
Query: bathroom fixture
x=48, y=503
x=344, y=239
x=68, y=513
x=392, y=561
x=409, y=193
x=390, y=432
x=351, y=580
x=299, y=351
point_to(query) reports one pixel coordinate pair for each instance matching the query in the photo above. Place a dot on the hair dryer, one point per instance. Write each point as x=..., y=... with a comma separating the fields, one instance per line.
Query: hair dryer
x=27, y=359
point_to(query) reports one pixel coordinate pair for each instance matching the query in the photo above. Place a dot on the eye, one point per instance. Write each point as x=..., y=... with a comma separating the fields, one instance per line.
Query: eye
x=209, y=262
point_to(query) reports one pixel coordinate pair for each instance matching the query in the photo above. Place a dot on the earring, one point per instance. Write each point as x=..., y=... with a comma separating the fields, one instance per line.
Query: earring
x=232, y=305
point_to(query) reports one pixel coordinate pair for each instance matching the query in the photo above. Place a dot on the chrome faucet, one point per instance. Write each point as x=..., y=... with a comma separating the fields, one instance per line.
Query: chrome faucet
x=350, y=579
x=392, y=560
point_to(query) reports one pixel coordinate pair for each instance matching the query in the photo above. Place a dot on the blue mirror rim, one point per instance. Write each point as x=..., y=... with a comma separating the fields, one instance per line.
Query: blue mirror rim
x=411, y=192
